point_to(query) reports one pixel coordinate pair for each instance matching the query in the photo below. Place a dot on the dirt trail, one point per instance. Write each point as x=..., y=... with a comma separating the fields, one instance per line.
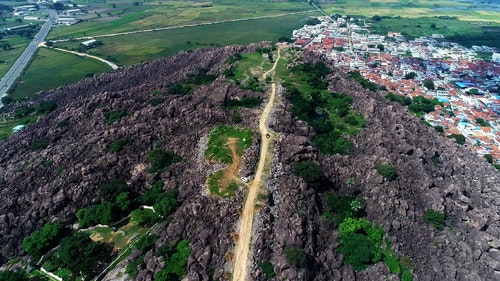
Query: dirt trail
x=243, y=246
x=231, y=172
x=112, y=65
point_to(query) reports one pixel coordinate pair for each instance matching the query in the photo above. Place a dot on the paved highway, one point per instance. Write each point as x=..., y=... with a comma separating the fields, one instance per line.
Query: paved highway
x=24, y=59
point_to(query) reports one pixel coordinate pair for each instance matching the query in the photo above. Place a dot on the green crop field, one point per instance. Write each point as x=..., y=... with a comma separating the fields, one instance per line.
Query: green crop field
x=148, y=15
x=467, y=11
x=7, y=57
x=51, y=69
x=134, y=48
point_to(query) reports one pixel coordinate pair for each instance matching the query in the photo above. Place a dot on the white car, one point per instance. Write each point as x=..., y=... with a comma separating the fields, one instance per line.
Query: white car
x=244, y=179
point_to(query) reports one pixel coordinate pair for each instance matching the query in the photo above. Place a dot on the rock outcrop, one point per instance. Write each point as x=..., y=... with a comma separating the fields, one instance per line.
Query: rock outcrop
x=51, y=184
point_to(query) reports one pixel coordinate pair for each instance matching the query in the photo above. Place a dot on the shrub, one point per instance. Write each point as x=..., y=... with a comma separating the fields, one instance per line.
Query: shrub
x=295, y=256
x=132, y=266
x=45, y=107
x=39, y=144
x=392, y=263
x=268, y=269
x=175, y=264
x=488, y=158
x=388, y=171
x=342, y=206
x=63, y=123
x=161, y=159
x=13, y=276
x=117, y=145
x=115, y=116
x=460, y=139
x=434, y=218
x=439, y=129
x=110, y=190
x=406, y=276
x=359, y=250
x=310, y=172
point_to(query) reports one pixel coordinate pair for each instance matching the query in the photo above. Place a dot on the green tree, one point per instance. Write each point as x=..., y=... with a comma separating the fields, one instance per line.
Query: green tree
x=42, y=240
x=13, y=276
x=110, y=190
x=459, y=138
x=429, y=84
x=143, y=217
x=488, y=158
x=295, y=256
x=161, y=159
x=82, y=256
x=310, y=172
x=124, y=201
x=268, y=269
x=167, y=203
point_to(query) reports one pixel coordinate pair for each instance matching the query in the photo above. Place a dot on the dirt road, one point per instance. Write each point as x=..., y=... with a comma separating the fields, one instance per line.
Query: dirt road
x=243, y=246
x=112, y=65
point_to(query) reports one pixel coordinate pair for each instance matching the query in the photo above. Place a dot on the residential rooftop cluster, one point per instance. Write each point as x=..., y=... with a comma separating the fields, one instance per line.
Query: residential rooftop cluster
x=467, y=86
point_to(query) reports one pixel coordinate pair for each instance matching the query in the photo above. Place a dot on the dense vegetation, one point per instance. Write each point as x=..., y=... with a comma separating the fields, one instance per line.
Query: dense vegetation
x=82, y=256
x=44, y=239
x=310, y=172
x=418, y=105
x=329, y=114
x=360, y=242
x=193, y=80
x=160, y=159
x=175, y=261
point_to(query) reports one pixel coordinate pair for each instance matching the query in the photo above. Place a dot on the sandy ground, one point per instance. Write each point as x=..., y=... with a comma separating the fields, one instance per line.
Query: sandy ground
x=242, y=251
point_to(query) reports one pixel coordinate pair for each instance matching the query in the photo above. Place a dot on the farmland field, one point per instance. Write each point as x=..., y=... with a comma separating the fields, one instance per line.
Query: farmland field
x=49, y=65
x=188, y=25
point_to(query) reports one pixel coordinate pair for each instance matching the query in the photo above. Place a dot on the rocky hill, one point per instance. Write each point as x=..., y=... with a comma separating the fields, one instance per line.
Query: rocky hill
x=49, y=184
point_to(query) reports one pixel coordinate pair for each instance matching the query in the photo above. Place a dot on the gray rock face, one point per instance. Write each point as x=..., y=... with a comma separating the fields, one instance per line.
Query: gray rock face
x=463, y=185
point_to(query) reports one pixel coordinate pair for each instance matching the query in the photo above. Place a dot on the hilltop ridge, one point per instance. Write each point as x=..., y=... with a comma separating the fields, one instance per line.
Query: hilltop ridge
x=49, y=184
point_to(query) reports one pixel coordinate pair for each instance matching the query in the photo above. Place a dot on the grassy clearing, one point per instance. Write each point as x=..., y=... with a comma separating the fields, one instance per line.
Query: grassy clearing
x=51, y=69
x=120, y=238
x=218, y=150
x=251, y=65
x=8, y=123
x=220, y=186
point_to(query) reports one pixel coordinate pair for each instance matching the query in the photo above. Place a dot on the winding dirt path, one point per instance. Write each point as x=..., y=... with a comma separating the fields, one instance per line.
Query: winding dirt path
x=112, y=65
x=243, y=246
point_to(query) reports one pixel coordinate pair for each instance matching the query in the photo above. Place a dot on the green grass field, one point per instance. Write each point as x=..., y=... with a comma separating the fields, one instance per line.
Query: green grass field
x=218, y=138
x=135, y=48
x=51, y=69
x=8, y=57
x=151, y=14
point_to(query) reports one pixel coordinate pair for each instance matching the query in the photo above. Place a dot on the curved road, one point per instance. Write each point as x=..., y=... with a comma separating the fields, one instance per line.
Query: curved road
x=24, y=59
x=242, y=251
x=112, y=65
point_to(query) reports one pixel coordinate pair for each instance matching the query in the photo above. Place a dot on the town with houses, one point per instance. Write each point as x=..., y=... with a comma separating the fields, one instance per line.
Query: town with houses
x=466, y=86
